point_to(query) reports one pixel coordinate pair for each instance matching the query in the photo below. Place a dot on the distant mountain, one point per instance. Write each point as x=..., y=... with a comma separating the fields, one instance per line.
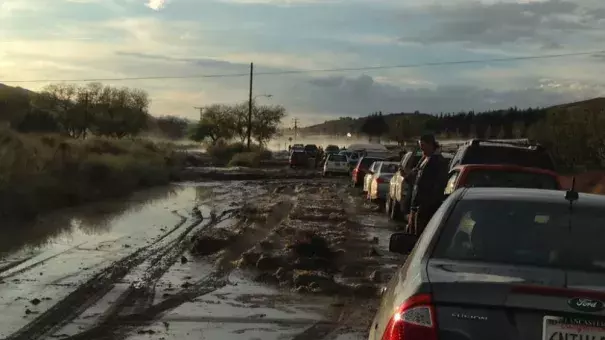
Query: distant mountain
x=345, y=125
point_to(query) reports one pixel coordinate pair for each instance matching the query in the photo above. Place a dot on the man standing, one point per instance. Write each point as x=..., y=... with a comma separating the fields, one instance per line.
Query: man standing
x=427, y=194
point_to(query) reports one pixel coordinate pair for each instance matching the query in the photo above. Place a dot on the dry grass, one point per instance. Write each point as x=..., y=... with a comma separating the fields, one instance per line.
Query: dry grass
x=42, y=172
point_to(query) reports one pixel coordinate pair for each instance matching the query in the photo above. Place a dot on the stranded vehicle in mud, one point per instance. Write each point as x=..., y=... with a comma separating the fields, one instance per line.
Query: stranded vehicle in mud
x=499, y=264
x=479, y=151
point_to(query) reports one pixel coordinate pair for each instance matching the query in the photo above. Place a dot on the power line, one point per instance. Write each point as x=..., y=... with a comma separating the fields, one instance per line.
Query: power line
x=345, y=69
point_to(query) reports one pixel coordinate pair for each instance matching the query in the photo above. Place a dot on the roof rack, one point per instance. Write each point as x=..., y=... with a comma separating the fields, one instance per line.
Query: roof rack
x=517, y=142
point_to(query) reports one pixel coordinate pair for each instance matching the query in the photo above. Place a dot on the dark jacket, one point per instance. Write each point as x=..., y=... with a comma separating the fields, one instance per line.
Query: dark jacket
x=430, y=182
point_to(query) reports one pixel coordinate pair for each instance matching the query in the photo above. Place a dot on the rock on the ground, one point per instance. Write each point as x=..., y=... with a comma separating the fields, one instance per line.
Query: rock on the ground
x=315, y=281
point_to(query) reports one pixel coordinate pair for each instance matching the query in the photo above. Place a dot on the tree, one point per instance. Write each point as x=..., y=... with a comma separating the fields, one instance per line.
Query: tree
x=217, y=123
x=265, y=121
x=374, y=126
x=120, y=112
x=172, y=127
x=104, y=110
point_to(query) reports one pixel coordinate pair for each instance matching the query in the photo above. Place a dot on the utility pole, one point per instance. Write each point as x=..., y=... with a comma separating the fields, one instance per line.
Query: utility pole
x=295, y=128
x=201, y=110
x=250, y=105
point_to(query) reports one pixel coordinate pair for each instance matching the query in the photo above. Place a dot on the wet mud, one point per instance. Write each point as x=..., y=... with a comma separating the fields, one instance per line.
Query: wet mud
x=281, y=258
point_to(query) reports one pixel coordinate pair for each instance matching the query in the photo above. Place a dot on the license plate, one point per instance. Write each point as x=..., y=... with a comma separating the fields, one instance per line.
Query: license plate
x=572, y=328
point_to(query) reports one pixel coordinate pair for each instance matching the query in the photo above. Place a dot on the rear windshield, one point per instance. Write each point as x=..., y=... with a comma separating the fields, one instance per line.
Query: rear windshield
x=388, y=168
x=507, y=155
x=298, y=155
x=332, y=148
x=524, y=233
x=367, y=161
x=510, y=179
x=337, y=158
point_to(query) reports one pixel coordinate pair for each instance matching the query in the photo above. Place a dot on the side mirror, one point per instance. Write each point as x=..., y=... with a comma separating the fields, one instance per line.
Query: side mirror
x=402, y=243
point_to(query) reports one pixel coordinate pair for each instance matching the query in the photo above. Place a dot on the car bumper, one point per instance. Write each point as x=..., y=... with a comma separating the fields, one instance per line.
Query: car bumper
x=381, y=192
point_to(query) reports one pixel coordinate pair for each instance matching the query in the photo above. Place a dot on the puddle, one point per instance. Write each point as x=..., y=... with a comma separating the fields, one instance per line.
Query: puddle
x=54, y=255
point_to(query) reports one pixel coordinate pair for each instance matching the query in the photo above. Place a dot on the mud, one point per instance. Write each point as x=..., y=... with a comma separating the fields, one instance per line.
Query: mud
x=281, y=258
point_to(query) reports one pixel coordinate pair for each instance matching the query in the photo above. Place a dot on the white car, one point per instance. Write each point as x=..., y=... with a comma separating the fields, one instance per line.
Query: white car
x=336, y=164
x=368, y=177
x=381, y=179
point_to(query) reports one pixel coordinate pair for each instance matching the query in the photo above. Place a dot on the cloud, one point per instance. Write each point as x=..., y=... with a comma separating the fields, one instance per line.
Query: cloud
x=156, y=5
x=547, y=23
x=123, y=38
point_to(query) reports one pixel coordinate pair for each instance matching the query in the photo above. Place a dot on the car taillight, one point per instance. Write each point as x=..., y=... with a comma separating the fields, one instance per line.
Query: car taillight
x=414, y=320
x=380, y=180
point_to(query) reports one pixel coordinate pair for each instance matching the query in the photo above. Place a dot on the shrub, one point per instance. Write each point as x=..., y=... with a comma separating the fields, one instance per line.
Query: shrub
x=249, y=159
x=42, y=172
x=223, y=153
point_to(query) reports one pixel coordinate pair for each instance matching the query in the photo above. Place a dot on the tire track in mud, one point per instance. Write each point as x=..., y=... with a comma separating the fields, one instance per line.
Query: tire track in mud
x=90, y=292
x=117, y=326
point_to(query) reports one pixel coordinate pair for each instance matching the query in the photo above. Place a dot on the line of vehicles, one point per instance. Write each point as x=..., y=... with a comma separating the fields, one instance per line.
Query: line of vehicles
x=509, y=254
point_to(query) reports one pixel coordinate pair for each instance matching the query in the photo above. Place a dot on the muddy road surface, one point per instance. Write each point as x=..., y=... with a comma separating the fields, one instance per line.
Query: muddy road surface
x=272, y=259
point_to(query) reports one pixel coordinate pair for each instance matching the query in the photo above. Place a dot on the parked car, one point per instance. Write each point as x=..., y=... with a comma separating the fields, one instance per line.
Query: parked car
x=368, y=177
x=504, y=176
x=335, y=164
x=298, y=147
x=311, y=149
x=500, y=263
x=399, y=185
x=332, y=149
x=398, y=202
x=477, y=151
x=299, y=158
x=379, y=183
x=360, y=170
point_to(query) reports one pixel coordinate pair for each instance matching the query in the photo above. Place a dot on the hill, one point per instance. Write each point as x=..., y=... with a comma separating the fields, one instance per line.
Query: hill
x=506, y=123
x=344, y=125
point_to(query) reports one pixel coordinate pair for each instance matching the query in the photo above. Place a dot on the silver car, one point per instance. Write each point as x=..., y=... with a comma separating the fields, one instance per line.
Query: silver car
x=501, y=264
x=378, y=188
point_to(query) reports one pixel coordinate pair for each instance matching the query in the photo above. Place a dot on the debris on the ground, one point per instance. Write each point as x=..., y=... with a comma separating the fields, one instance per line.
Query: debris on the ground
x=35, y=301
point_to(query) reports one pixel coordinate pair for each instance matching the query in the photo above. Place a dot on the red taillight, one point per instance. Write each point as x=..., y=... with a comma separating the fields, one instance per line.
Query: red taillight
x=380, y=180
x=414, y=320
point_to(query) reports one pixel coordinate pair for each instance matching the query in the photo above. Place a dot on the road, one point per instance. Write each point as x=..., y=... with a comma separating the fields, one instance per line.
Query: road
x=133, y=269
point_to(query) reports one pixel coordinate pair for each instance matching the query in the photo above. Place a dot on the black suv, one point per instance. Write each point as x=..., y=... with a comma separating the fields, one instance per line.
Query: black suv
x=478, y=151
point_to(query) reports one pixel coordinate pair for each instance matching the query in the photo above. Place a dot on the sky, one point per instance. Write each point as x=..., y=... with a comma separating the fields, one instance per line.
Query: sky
x=51, y=40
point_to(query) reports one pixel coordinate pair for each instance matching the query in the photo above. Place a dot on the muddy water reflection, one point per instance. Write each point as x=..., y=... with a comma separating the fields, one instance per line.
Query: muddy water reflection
x=122, y=216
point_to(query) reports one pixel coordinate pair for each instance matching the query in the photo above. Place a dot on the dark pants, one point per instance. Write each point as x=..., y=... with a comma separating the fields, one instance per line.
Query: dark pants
x=421, y=218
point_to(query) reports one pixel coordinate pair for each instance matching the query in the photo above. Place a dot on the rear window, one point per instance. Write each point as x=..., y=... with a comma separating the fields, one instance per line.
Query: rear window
x=389, y=168
x=337, y=158
x=524, y=233
x=367, y=161
x=510, y=179
x=332, y=148
x=298, y=155
x=508, y=155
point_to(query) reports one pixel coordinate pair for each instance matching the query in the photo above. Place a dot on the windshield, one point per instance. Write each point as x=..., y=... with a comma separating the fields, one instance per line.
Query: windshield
x=510, y=179
x=524, y=233
x=508, y=155
x=337, y=158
